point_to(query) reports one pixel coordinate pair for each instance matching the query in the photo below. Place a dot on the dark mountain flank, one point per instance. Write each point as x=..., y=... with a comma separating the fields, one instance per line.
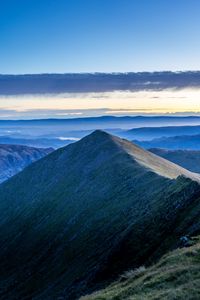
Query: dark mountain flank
x=14, y=158
x=76, y=219
x=187, y=159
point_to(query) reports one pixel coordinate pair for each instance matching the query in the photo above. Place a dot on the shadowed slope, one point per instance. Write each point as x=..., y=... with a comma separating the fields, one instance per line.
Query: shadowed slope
x=79, y=217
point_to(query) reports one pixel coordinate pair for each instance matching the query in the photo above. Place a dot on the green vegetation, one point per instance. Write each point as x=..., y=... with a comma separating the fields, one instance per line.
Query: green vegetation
x=76, y=219
x=175, y=276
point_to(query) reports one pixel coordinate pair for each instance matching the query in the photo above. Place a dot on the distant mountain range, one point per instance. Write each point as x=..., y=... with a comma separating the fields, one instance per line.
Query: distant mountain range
x=60, y=132
x=14, y=158
x=35, y=142
x=105, y=122
x=188, y=159
x=77, y=218
x=95, y=82
x=185, y=142
x=149, y=133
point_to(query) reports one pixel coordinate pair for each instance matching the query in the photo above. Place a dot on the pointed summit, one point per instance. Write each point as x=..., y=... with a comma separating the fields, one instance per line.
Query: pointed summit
x=97, y=135
x=83, y=214
x=143, y=157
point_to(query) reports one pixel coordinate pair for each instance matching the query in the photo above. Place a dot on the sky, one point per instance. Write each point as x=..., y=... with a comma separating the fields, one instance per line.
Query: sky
x=118, y=103
x=63, y=36
x=60, y=36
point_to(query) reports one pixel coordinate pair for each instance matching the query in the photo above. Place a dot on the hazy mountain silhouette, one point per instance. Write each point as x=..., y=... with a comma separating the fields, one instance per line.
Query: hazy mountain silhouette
x=186, y=158
x=149, y=133
x=14, y=158
x=185, y=142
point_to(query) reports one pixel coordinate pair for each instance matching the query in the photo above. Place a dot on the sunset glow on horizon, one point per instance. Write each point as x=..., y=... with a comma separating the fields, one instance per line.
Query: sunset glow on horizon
x=106, y=103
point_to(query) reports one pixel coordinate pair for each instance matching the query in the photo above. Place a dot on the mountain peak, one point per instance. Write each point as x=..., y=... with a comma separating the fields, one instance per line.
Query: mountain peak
x=156, y=163
x=72, y=216
x=143, y=157
x=100, y=133
x=98, y=138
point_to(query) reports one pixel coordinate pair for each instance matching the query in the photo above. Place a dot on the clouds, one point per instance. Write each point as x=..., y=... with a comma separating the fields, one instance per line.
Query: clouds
x=68, y=105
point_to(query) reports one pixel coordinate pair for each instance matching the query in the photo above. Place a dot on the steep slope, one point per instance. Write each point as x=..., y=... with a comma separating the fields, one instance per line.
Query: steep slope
x=76, y=219
x=187, y=159
x=14, y=158
x=175, y=276
x=161, y=166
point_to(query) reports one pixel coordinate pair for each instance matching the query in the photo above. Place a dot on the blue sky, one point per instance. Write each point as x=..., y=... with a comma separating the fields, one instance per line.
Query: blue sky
x=56, y=36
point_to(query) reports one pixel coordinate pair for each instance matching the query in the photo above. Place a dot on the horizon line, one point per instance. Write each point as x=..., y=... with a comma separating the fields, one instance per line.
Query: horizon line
x=97, y=72
x=107, y=117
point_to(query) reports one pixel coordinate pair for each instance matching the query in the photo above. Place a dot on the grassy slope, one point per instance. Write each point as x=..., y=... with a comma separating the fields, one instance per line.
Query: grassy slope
x=175, y=276
x=78, y=211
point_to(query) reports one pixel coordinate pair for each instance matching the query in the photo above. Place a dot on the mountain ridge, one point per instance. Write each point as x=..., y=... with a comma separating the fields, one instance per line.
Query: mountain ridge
x=84, y=214
x=149, y=133
x=156, y=164
x=183, y=142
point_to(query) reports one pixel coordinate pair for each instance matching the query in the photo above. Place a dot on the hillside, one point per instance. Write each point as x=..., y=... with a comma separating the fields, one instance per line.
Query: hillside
x=14, y=158
x=175, y=276
x=184, y=142
x=76, y=219
x=187, y=159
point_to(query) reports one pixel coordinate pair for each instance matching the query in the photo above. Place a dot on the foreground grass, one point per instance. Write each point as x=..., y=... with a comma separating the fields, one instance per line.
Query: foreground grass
x=175, y=276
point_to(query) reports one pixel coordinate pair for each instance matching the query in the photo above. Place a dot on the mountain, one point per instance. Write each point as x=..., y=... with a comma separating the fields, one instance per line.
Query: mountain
x=40, y=127
x=76, y=219
x=61, y=132
x=184, y=142
x=95, y=82
x=149, y=133
x=188, y=159
x=14, y=158
x=175, y=276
